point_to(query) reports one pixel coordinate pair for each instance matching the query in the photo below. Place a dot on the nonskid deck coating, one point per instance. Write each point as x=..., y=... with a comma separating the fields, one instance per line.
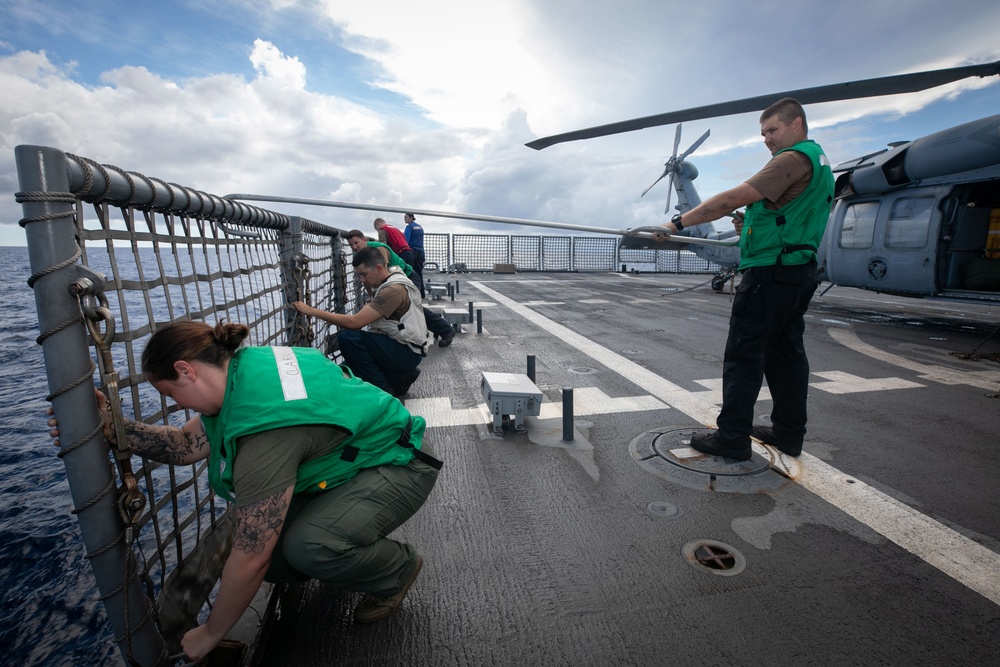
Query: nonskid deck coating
x=540, y=552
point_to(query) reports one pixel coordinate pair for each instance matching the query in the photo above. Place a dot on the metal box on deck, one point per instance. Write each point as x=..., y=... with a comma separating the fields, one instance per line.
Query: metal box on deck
x=509, y=394
x=456, y=317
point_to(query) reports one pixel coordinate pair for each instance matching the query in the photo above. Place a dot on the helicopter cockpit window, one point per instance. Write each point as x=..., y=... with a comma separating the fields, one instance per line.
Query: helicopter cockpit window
x=858, y=229
x=909, y=222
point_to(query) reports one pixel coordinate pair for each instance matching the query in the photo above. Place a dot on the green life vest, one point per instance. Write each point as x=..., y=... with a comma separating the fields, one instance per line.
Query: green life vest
x=394, y=259
x=791, y=234
x=277, y=387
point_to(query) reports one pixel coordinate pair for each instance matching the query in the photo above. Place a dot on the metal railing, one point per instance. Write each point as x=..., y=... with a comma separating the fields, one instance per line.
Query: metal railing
x=480, y=252
x=114, y=255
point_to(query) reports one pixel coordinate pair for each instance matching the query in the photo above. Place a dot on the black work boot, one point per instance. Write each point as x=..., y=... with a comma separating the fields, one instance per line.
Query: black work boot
x=404, y=382
x=447, y=338
x=766, y=435
x=711, y=443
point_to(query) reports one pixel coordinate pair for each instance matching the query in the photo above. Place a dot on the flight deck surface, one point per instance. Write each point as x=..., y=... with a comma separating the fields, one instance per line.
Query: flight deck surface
x=880, y=545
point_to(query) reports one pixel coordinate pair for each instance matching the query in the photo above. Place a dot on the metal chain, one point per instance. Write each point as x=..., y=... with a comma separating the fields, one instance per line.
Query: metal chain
x=94, y=306
x=974, y=354
x=302, y=330
x=725, y=276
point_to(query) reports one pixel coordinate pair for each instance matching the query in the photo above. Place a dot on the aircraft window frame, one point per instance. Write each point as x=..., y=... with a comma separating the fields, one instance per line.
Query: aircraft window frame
x=909, y=228
x=858, y=231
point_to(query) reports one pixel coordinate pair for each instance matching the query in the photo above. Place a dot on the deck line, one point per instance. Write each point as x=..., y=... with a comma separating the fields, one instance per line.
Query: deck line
x=949, y=551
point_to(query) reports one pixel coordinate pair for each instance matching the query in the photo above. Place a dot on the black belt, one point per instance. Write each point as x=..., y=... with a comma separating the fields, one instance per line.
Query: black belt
x=351, y=452
x=763, y=274
x=404, y=441
x=793, y=248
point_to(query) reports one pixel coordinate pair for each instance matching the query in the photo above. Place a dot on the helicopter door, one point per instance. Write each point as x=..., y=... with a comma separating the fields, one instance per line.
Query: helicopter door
x=971, y=234
x=887, y=244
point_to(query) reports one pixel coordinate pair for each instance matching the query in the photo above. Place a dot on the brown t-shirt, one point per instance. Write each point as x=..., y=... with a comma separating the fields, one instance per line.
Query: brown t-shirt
x=267, y=462
x=391, y=301
x=782, y=179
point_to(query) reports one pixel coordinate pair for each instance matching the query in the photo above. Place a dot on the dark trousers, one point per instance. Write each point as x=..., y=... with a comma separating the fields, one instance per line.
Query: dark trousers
x=765, y=341
x=418, y=269
x=415, y=277
x=376, y=358
x=436, y=324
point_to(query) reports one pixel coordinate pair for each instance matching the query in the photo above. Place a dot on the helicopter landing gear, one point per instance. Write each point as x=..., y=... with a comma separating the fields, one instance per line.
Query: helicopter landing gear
x=719, y=280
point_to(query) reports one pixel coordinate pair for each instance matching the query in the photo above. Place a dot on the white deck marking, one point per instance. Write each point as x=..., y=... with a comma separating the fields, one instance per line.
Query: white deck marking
x=839, y=382
x=593, y=401
x=962, y=559
x=714, y=392
x=586, y=401
x=989, y=380
x=459, y=303
x=952, y=553
x=439, y=412
x=689, y=403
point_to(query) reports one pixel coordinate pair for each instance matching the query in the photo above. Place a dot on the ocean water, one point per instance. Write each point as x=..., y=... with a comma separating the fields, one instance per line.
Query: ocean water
x=52, y=614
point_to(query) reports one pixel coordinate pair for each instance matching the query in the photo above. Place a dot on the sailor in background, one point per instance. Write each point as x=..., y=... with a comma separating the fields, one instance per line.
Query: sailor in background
x=388, y=354
x=414, y=235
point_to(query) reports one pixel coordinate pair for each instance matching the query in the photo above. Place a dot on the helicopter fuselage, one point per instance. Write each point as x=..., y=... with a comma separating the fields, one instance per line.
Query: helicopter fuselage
x=919, y=219
x=931, y=239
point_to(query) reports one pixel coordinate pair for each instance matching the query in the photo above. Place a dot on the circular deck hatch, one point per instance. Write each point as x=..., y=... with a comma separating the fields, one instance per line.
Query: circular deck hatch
x=667, y=453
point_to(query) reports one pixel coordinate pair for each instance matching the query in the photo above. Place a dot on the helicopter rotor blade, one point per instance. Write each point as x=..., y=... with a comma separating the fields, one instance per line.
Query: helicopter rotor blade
x=886, y=85
x=665, y=172
x=669, y=165
x=670, y=191
x=694, y=146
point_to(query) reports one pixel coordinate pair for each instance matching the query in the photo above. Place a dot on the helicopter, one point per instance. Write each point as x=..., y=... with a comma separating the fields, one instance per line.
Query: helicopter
x=917, y=218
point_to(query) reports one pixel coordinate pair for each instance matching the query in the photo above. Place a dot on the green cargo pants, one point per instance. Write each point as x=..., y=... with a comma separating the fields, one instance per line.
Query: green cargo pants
x=339, y=536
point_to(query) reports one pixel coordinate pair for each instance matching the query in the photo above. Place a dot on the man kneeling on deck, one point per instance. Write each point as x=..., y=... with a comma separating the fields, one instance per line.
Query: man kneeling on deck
x=435, y=323
x=388, y=354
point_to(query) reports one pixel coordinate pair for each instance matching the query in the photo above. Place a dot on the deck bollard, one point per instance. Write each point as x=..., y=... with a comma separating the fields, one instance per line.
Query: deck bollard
x=567, y=396
x=531, y=367
x=479, y=320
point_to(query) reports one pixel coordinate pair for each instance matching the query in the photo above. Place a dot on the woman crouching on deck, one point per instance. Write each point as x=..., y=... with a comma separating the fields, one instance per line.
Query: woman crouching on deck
x=321, y=467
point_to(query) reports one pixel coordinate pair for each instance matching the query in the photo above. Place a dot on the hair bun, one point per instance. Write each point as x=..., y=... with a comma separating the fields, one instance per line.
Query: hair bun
x=231, y=334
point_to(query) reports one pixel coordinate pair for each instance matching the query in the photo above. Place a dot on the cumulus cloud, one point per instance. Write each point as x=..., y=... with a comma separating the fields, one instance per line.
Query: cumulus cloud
x=434, y=109
x=218, y=133
x=272, y=66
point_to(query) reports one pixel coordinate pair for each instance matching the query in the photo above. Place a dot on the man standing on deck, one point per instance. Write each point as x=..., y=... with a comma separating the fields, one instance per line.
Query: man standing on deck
x=394, y=238
x=788, y=203
x=387, y=355
x=435, y=323
x=414, y=235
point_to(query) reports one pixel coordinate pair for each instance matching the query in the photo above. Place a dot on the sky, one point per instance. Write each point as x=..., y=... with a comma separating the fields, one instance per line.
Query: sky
x=428, y=105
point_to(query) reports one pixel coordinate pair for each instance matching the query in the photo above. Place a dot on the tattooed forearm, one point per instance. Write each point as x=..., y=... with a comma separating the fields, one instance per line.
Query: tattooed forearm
x=167, y=444
x=258, y=522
